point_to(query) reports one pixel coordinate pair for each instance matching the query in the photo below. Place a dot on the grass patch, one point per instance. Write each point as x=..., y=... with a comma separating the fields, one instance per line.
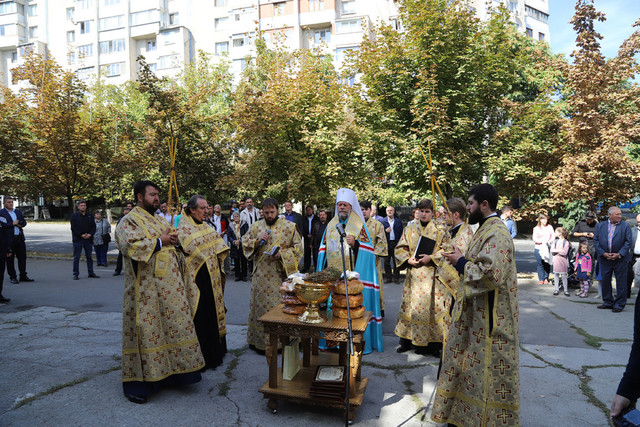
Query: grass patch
x=15, y=322
x=397, y=369
x=224, y=388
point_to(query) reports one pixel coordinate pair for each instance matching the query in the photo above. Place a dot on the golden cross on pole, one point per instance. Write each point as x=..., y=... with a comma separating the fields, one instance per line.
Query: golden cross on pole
x=173, y=208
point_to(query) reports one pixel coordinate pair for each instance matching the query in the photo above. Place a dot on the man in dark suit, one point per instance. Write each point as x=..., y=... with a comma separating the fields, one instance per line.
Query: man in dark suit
x=16, y=222
x=612, y=241
x=83, y=227
x=308, y=223
x=5, y=252
x=393, y=229
x=292, y=216
x=318, y=231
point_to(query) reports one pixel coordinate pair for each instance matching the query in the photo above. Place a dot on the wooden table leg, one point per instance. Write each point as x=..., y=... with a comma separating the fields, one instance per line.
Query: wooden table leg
x=306, y=352
x=272, y=360
x=355, y=367
x=273, y=405
x=314, y=347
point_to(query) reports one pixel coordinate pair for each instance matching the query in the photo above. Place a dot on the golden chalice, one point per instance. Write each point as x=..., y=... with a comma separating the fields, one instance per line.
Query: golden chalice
x=312, y=294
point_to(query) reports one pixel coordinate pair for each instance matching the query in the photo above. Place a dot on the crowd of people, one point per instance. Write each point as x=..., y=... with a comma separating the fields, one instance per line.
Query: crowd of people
x=459, y=299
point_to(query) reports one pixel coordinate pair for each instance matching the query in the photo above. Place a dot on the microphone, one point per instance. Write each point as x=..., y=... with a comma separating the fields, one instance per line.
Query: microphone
x=340, y=229
x=262, y=242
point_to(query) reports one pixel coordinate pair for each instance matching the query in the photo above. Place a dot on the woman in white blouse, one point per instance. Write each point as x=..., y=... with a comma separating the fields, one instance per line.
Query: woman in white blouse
x=543, y=235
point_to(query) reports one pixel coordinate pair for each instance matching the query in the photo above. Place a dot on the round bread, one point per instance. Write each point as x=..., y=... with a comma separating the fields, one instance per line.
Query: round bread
x=355, y=287
x=293, y=309
x=356, y=312
x=341, y=300
x=290, y=298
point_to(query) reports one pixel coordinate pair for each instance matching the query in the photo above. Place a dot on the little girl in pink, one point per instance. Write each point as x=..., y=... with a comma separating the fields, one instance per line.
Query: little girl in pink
x=583, y=268
x=559, y=250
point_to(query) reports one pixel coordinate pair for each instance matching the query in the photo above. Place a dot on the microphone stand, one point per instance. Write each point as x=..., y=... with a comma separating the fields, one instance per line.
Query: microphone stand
x=350, y=351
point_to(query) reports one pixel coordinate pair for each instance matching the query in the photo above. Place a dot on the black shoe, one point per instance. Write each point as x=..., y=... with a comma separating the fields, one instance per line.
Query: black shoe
x=4, y=300
x=403, y=348
x=135, y=398
x=605, y=307
x=14, y=281
x=75, y=277
x=382, y=313
x=116, y=273
x=26, y=279
x=616, y=310
x=94, y=276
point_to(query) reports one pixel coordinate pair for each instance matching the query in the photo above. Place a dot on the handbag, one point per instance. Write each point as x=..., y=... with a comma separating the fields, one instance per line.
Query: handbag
x=106, y=238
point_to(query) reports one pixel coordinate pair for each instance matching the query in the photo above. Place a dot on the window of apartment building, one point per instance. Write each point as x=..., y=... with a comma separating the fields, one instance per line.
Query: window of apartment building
x=111, y=23
x=239, y=40
x=85, y=50
x=513, y=6
x=8, y=7
x=70, y=12
x=71, y=57
x=85, y=27
x=111, y=46
x=25, y=49
x=174, y=18
x=220, y=3
x=153, y=67
x=278, y=8
x=111, y=2
x=71, y=36
x=240, y=64
x=33, y=32
x=348, y=6
x=151, y=45
x=341, y=52
x=84, y=4
x=529, y=32
x=316, y=5
x=222, y=48
x=33, y=10
x=350, y=26
x=14, y=56
x=85, y=73
x=320, y=36
x=8, y=30
x=170, y=37
x=541, y=36
x=112, y=70
x=536, y=14
x=167, y=61
x=221, y=23
x=396, y=23
x=144, y=17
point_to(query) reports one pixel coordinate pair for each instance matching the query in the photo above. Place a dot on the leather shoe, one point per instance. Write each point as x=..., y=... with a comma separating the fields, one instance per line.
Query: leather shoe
x=4, y=300
x=94, y=276
x=403, y=349
x=602, y=307
x=616, y=310
x=75, y=277
x=116, y=273
x=136, y=399
x=26, y=279
x=14, y=281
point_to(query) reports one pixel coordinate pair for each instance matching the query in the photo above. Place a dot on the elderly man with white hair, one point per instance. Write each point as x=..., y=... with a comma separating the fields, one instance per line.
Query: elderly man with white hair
x=359, y=256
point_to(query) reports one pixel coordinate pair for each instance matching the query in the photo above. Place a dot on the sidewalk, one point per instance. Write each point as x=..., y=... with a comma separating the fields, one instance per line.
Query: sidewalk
x=61, y=367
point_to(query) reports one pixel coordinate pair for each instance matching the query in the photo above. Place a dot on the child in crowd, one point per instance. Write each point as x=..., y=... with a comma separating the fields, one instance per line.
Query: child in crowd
x=559, y=250
x=583, y=269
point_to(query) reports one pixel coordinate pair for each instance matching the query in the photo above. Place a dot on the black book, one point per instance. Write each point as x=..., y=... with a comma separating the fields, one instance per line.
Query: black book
x=425, y=247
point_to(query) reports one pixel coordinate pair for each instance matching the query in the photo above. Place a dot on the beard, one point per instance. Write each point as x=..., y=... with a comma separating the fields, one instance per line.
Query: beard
x=150, y=207
x=343, y=215
x=475, y=216
x=270, y=221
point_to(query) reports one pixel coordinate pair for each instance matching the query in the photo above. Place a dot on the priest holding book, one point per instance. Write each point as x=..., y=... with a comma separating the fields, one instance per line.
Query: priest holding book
x=421, y=321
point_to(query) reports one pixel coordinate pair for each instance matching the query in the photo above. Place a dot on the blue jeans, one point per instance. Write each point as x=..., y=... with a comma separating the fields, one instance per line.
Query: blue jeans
x=77, y=251
x=101, y=253
x=542, y=267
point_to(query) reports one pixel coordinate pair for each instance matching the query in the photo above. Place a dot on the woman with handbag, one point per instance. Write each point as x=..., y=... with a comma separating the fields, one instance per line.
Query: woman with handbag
x=102, y=238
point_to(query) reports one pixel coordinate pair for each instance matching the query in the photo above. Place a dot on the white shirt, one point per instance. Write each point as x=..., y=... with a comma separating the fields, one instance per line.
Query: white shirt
x=217, y=223
x=636, y=249
x=392, y=235
x=309, y=219
x=12, y=214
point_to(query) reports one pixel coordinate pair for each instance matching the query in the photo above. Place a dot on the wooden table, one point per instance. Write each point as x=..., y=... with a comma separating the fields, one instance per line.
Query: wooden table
x=282, y=327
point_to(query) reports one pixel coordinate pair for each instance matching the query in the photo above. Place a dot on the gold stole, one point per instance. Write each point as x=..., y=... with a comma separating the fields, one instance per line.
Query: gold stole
x=145, y=220
x=447, y=273
x=332, y=241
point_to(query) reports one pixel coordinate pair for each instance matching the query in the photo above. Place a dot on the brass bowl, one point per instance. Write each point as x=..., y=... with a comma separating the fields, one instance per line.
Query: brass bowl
x=312, y=294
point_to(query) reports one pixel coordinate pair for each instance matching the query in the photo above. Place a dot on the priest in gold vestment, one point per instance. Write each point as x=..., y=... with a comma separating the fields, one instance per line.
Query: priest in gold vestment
x=479, y=382
x=269, y=271
x=205, y=251
x=421, y=320
x=159, y=342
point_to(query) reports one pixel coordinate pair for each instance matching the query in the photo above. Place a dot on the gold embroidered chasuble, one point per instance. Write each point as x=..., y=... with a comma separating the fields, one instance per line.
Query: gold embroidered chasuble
x=354, y=227
x=268, y=272
x=379, y=242
x=479, y=381
x=204, y=246
x=424, y=308
x=158, y=335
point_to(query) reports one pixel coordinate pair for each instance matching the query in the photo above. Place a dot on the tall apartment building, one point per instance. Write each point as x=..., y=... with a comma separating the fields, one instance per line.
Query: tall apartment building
x=106, y=36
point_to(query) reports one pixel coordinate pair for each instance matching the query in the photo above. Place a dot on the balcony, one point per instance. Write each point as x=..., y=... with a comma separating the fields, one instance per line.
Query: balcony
x=144, y=31
x=317, y=19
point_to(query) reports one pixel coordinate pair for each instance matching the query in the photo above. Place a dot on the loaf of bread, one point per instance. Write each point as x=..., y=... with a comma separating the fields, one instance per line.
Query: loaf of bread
x=355, y=287
x=293, y=309
x=356, y=312
x=290, y=298
x=341, y=300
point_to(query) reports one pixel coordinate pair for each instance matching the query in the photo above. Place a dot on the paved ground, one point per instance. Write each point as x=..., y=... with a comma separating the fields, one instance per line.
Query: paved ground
x=60, y=349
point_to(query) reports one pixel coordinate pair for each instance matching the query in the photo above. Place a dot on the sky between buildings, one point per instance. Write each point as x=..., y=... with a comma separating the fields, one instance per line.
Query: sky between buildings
x=620, y=14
